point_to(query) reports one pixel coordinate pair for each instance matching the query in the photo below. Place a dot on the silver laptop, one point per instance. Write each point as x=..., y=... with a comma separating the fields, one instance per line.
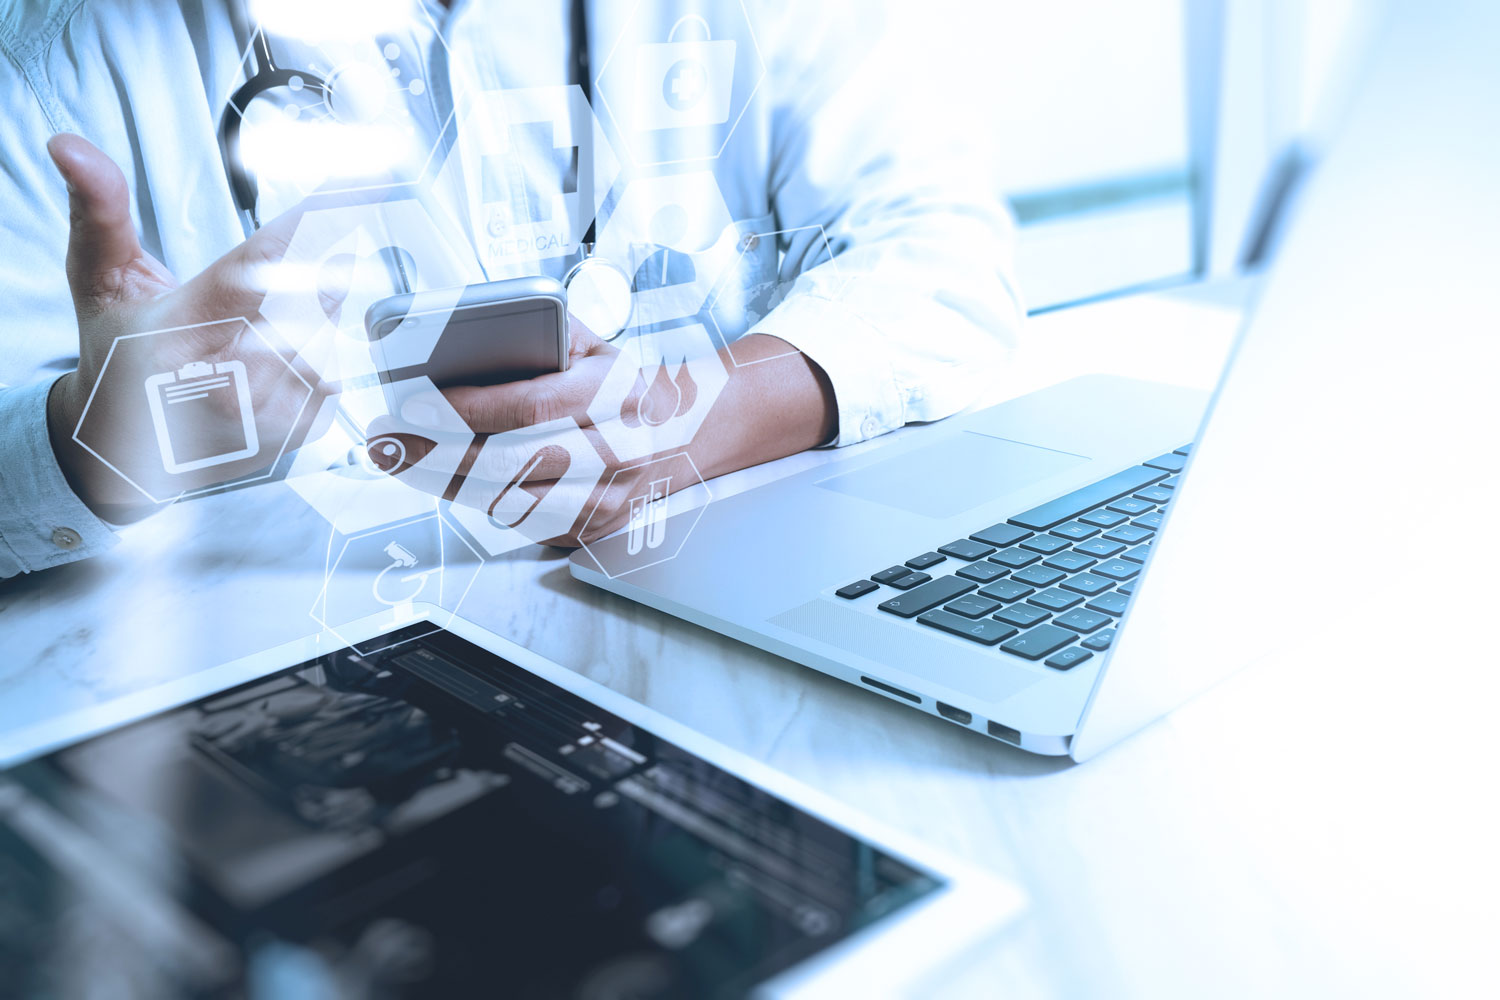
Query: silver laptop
x=1060, y=570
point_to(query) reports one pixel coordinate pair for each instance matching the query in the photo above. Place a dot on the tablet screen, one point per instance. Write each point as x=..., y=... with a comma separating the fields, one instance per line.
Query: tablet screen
x=429, y=820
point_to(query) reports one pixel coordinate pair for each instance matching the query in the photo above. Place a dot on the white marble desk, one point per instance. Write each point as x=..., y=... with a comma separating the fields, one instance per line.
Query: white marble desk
x=1203, y=857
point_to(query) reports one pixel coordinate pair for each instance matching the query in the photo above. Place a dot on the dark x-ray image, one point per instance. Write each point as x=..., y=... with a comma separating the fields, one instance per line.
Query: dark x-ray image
x=427, y=821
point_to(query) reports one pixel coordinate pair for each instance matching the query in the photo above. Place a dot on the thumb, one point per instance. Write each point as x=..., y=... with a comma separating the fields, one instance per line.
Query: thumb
x=105, y=261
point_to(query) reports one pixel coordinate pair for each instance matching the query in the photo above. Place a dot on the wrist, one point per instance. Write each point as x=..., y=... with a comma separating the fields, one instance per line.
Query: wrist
x=778, y=402
x=82, y=470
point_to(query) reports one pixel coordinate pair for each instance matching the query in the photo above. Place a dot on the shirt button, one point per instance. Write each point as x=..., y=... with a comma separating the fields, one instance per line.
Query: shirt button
x=66, y=538
x=869, y=427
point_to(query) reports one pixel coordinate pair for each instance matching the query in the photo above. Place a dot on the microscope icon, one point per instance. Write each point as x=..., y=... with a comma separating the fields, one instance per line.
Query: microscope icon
x=401, y=559
x=648, y=517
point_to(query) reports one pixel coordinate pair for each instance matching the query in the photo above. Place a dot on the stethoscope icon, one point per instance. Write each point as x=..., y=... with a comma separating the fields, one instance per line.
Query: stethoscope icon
x=401, y=559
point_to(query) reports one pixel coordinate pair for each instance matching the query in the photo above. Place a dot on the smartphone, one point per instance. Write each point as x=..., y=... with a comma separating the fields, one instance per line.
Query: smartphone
x=498, y=331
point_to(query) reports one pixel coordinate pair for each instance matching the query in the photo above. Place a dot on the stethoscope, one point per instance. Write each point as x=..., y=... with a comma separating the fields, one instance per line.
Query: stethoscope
x=602, y=287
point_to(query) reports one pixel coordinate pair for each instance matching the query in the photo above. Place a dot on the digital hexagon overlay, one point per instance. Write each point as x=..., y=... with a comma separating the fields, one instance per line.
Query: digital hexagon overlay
x=362, y=118
x=355, y=492
x=659, y=516
x=679, y=98
x=658, y=391
x=341, y=261
x=535, y=166
x=750, y=290
x=387, y=570
x=532, y=483
x=176, y=415
x=674, y=236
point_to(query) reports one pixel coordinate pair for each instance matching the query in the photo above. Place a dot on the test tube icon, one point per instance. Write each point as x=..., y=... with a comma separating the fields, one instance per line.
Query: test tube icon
x=648, y=517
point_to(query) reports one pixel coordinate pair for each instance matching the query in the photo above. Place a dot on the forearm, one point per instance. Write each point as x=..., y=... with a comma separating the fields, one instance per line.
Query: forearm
x=778, y=402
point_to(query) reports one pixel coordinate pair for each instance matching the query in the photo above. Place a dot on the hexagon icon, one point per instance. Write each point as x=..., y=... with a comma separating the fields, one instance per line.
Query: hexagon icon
x=535, y=166
x=677, y=98
x=674, y=236
x=532, y=483
x=344, y=108
x=356, y=492
x=663, y=501
x=386, y=572
x=192, y=409
x=341, y=261
x=658, y=392
x=770, y=267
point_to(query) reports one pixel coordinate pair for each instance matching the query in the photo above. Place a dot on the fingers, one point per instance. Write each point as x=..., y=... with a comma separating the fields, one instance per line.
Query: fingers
x=105, y=261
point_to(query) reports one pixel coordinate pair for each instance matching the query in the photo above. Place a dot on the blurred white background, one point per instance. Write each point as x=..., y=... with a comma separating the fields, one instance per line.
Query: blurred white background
x=1127, y=161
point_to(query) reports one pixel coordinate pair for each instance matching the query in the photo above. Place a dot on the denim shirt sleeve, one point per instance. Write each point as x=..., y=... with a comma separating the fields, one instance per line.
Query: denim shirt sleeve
x=42, y=521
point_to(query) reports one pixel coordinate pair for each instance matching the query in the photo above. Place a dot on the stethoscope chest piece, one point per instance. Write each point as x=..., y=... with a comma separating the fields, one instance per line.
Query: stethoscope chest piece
x=599, y=296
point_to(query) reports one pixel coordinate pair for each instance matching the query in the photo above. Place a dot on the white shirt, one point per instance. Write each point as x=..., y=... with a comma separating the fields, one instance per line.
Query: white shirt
x=917, y=313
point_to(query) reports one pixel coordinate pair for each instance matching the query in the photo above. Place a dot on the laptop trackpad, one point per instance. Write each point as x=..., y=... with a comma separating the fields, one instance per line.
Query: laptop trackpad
x=956, y=474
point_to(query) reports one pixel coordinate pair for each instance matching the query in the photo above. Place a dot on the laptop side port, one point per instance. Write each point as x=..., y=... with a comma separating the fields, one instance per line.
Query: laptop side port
x=954, y=714
x=1009, y=735
x=889, y=689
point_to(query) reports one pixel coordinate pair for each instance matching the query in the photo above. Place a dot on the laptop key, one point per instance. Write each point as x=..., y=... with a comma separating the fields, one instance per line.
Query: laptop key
x=859, y=588
x=1015, y=558
x=966, y=549
x=1110, y=488
x=1075, y=530
x=890, y=575
x=910, y=580
x=1001, y=535
x=1099, y=640
x=1088, y=584
x=1007, y=590
x=1068, y=658
x=1038, y=576
x=1130, y=505
x=1154, y=495
x=1151, y=521
x=1054, y=599
x=1100, y=548
x=982, y=572
x=1186, y=449
x=1023, y=615
x=1170, y=462
x=1103, y=518
x=986, y=630
x=926, y=560
x=1117, y=569
x=1045, y=544
x=1072, y=562
x=1126, y=588
x=1170, y=483
x=1080, y=620
x=1128, y=533
x=1040, y=641
x=927, y=596
x=972, y=606
x=1111, y=604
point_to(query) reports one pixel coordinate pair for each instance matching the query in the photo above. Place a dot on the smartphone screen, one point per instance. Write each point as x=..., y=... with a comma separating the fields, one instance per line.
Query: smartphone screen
x=486, y=339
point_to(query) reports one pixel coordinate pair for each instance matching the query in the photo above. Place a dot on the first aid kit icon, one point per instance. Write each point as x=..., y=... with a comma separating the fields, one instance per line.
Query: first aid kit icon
x=682, y=84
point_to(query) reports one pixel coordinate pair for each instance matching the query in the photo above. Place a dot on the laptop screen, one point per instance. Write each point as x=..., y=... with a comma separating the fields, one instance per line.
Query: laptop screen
x=430, y=819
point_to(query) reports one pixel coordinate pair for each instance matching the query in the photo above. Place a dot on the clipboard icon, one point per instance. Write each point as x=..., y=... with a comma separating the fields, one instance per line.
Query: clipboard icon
x=187, y=410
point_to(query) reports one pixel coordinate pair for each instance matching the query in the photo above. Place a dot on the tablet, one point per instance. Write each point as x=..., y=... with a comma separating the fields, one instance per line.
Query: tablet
x=439, y=812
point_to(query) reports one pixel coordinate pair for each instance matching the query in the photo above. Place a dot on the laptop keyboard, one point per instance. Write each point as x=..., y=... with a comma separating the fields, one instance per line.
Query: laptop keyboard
x=1048, y=584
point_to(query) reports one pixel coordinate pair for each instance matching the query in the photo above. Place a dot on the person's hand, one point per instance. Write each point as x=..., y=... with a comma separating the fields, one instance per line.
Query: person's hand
x=120, y=291
x=776, y=403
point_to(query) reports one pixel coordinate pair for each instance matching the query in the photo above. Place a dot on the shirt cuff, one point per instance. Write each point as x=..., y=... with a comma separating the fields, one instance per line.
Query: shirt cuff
x=42, y=521
x=851, y=353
